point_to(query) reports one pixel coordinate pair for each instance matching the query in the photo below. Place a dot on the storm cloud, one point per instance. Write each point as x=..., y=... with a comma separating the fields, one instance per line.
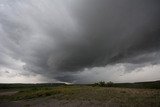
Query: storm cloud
x=80, y=41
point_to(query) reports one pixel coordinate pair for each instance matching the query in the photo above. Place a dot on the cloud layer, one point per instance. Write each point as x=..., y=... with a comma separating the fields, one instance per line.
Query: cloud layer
x=72, y=41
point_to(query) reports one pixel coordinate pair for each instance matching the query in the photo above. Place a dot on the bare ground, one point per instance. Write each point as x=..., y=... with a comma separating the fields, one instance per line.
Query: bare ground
x=8, y=93
x=57, y=103
x=49, y=102
x=92, y=97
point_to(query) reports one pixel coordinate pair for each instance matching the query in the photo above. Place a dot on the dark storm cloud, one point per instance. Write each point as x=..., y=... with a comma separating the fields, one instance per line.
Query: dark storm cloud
x=58, y=39
x=111, y=30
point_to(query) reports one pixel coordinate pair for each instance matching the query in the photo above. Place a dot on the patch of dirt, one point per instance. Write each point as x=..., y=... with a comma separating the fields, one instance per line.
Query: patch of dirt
x=8, y=93
x=57, y=103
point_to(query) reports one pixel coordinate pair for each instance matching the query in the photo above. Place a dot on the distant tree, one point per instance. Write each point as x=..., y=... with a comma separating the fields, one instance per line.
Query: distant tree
x=102, y=83
x=109, y=84
x=95, y=84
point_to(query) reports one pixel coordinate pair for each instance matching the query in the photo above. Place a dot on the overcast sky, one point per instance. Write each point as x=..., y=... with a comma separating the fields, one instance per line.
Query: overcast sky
x=79, y=41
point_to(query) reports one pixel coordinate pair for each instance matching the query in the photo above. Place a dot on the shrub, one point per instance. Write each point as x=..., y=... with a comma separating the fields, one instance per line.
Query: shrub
x=109, y=84
x=103, y=84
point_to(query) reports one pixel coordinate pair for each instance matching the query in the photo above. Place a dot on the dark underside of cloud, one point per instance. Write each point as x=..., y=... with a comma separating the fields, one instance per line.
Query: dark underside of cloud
x=60, y=38
x=110, y=31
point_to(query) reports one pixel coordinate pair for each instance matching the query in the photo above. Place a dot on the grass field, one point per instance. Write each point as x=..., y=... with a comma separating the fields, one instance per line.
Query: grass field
x=128, y=97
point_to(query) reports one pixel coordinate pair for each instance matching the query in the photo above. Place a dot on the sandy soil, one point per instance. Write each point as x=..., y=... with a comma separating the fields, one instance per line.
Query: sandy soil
x=56, y=103
x=49, y=102
x=8, y=93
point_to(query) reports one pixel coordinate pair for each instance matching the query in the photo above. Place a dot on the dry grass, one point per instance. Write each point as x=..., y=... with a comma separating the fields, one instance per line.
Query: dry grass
x=123, y=96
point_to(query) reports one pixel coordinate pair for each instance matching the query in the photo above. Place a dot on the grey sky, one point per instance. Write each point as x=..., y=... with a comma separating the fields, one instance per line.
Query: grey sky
x=79, y=41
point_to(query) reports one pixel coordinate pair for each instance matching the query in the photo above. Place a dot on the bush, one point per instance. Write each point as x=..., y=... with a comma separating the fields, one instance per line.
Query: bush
x=109, y=84
x=103, y=84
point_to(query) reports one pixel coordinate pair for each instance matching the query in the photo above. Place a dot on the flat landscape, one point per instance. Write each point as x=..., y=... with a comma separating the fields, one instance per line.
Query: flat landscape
x=62, y=95
x=79, y=53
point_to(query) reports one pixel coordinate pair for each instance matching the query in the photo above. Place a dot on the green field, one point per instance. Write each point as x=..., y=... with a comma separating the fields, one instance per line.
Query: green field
x=117, y=94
